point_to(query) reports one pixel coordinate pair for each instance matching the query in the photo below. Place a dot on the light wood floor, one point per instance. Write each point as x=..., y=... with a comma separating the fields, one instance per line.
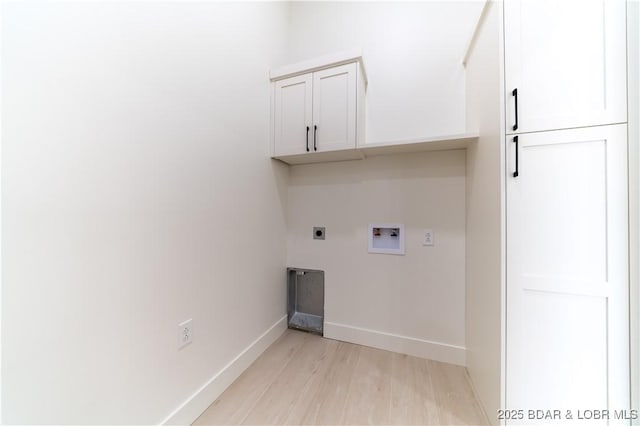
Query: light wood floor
x=307, y=379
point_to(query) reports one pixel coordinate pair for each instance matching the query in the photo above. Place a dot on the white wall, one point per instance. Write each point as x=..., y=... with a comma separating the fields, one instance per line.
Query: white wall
x=412, y=52
x=419, y=296
x=136, y=193
x=485, y=214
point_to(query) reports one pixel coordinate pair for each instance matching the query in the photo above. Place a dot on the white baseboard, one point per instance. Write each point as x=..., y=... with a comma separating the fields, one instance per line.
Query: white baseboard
x=392, y=342
x=477, y=396
x=191, y=409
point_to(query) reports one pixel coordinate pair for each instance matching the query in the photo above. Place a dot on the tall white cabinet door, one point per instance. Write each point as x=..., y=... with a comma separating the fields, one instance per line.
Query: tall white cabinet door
x=567, y=277
x=567, y=60
x=293, y=115
x=334, y=108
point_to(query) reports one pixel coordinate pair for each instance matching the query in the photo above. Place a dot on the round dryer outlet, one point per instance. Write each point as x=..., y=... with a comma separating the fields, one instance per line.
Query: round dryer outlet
x=318, y=232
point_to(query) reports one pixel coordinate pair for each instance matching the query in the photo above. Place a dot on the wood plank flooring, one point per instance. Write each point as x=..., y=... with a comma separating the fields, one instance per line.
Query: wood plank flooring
x=304, y=379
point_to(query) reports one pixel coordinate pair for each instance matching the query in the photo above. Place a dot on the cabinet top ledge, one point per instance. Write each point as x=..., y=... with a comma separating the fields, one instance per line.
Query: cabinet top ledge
x=319, y=63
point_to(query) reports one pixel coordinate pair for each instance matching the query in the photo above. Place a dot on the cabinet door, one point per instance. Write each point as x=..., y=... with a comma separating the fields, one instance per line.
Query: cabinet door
x=567, y=60
x=292, y=115
x=334, y=108
x=567, y=271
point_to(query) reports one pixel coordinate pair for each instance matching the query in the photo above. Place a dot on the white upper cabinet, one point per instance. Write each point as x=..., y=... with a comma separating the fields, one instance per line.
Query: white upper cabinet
x=334, y=108
x=319, y=109
x=293, y=117
x=566, y=61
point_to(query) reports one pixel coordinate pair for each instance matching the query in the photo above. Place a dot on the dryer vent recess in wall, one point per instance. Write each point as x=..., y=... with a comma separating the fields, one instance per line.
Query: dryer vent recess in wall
x=305, y=299
x=386, y=238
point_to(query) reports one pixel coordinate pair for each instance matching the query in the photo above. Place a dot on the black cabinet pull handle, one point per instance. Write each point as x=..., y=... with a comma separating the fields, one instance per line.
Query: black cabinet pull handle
x=515, y=139
x=307, y=138
x=315, y=129
x=515, y=94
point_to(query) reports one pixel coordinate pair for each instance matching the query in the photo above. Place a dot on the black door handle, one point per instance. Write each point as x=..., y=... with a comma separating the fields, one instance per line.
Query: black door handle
x=315, y=129
x=515, y=94
x=307, y=138
x=515, y=139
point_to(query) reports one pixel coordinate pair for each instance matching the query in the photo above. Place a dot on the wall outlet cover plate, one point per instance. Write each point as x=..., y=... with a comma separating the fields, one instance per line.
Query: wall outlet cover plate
x=185, y=333
x=428, y=237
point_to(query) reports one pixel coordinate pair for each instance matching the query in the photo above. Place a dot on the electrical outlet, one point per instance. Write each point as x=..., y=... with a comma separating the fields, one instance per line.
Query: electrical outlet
x=185, y=333
x=428, y=237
